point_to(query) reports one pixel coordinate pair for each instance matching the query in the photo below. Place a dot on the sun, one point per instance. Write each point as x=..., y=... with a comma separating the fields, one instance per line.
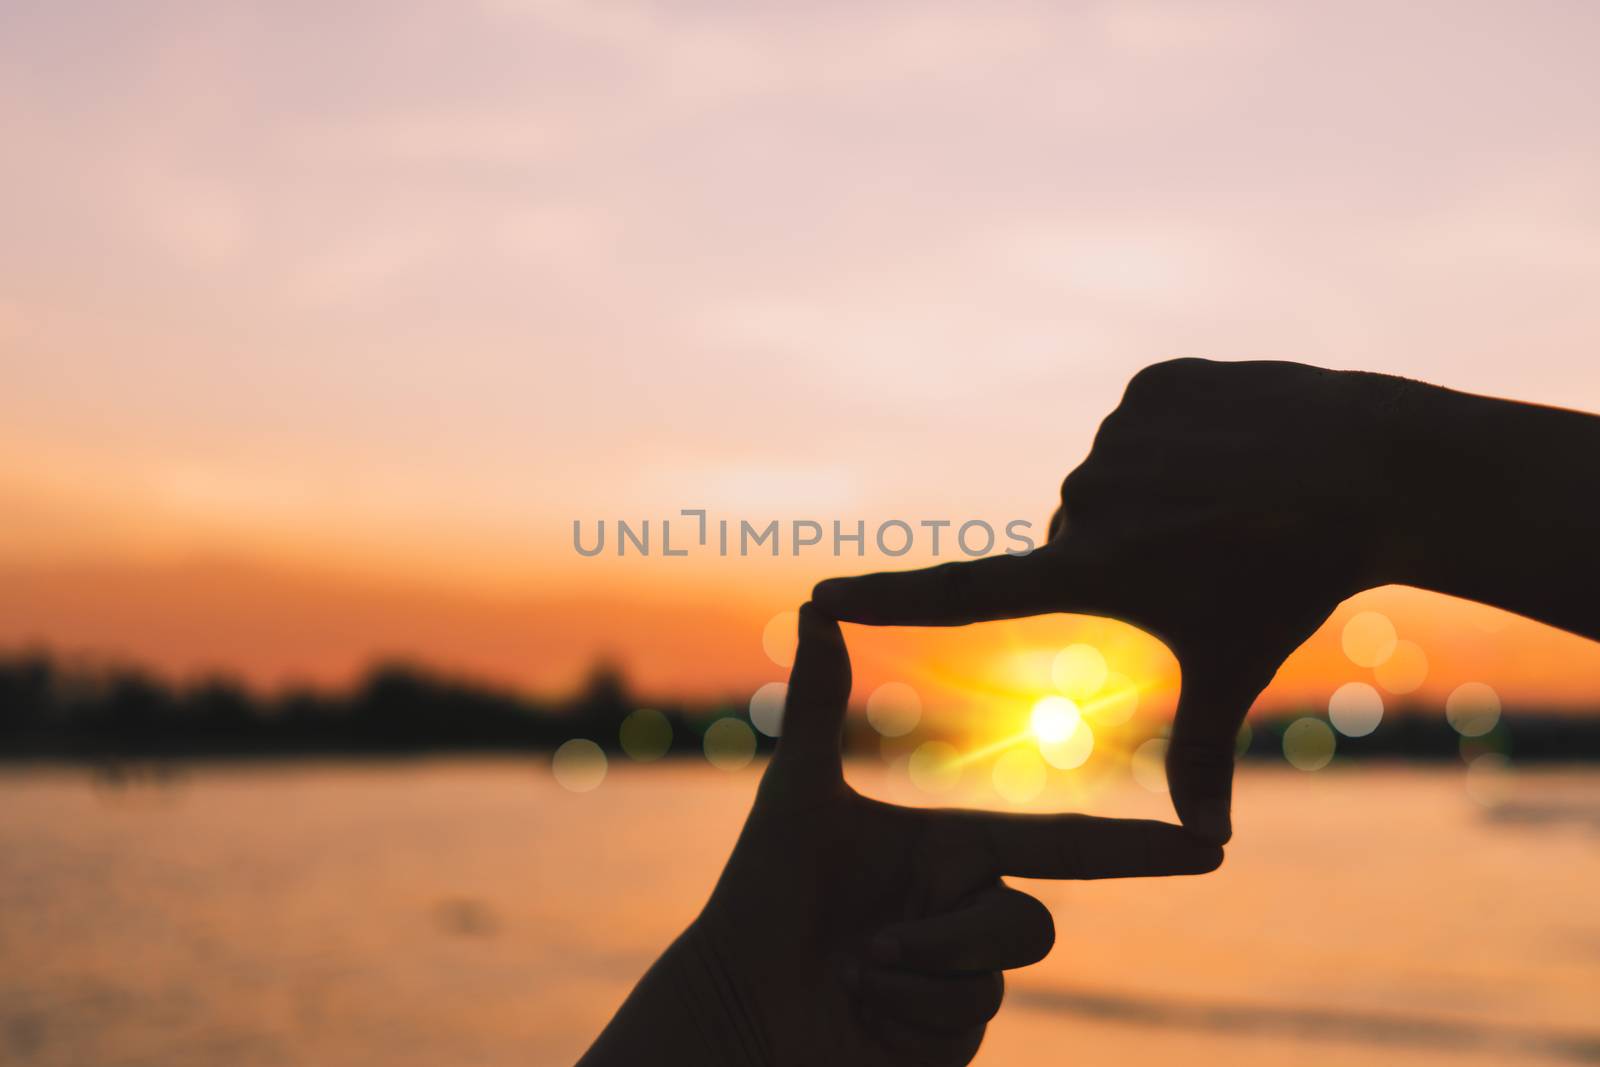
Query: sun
x=1054, y=719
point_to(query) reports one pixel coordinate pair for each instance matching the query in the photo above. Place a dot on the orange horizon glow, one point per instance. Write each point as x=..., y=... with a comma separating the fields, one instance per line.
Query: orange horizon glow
x=279, y=626
x=313, y=353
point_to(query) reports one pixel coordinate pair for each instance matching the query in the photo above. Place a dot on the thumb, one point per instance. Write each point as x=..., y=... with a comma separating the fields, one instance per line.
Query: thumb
x=1211, y=707
x=813, y=713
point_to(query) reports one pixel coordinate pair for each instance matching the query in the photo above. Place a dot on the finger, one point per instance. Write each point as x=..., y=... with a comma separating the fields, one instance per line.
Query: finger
x=1087, y=847
x=1201, y=752
x=951, y=594
x=927, y=1048
x=943, y=1003
x=998, y=929
x=819, y=689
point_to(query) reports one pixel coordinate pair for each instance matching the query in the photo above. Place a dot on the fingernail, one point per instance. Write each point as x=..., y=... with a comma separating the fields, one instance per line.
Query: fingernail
x=884, y=949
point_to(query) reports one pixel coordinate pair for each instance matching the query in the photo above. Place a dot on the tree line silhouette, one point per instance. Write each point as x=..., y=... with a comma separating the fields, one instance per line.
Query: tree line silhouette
x=59, y=709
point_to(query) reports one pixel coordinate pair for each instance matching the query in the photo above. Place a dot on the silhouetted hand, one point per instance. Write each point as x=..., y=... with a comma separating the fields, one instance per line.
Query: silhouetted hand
x=1226, y=508
x=847, y=931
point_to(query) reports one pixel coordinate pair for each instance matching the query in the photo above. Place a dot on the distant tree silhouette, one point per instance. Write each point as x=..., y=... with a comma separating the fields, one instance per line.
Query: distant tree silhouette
x=68, y=709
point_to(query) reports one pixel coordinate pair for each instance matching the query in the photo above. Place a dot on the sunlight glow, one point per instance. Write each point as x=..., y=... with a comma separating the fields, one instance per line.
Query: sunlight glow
x=1072, y=751
x=1054, y=719
x=1118, y=700
x=1035, y=729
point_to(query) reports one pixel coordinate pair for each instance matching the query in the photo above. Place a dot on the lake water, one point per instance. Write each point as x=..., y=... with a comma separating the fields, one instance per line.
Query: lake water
x=474, y=913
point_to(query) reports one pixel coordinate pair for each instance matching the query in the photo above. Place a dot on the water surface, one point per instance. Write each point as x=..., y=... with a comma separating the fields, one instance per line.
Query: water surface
x=461, y=913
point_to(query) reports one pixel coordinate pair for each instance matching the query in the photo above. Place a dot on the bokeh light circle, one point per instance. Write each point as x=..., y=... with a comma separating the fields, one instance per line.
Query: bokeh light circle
x=1149, y=765
x=933, y=767
x=1116, y=701
x=1355, y=709
x=1473, y=708
x=894, y=708
x=1019, y=775
x=1405, y=670
x=729, y=744
x=766, y=708
x=779, y=638
x=1053, y=719
x=1488, y=780
x=645, y=735
x=1308, y=744
x=891, y=749
x=1079, y=671
x=1072, y=751
x=1368, y=638
x=579, y=765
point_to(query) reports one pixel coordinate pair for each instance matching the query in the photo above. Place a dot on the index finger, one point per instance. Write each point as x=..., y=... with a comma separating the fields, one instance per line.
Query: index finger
x=951, y=594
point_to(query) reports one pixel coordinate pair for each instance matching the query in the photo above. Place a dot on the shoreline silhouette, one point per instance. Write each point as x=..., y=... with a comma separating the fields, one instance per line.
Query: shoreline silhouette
x=55, y=709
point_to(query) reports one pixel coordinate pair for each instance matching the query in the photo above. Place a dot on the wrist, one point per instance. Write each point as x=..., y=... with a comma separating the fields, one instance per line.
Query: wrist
x=1459, y=497
x=690, y=1007
x=718, y=995
x=1391, y=460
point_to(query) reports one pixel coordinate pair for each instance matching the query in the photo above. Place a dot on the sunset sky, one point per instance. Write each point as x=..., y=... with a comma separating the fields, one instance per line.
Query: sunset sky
x=320, y=324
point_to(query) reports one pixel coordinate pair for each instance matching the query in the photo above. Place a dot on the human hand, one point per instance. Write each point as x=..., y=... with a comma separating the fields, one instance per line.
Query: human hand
x=1225, y=508
x=859, y=932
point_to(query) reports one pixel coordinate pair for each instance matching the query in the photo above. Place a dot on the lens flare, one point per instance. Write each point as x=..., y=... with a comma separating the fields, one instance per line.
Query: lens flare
x=646, y=735
x=1072, y=751
x=779, y=637
x=1116, y=702
x=894, y=708
x=1355, y=709
x=579, y=765
x=1149, y=765
x=1309, y=744
x=1473, y=708
x=729, y=744
x=766, y=708
x=1369, y=638
x=935, y=767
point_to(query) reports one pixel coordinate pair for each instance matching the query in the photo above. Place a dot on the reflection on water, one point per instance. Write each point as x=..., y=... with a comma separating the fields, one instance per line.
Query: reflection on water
x=1315, y=1025
x=477, y=913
